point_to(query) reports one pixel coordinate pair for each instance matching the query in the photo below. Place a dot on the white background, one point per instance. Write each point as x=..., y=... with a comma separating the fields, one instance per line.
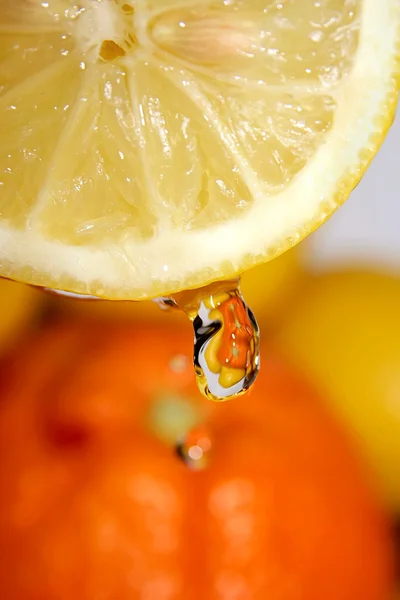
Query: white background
x=365, y=231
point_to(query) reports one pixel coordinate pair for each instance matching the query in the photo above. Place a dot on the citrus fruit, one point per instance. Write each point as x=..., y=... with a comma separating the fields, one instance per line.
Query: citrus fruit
x=344, y=332
x=268, y=289
x=150, y=147
x=19, y=305
x=118, y=482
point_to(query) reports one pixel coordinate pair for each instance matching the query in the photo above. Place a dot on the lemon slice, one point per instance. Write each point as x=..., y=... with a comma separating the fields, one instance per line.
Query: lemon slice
x=150, y=146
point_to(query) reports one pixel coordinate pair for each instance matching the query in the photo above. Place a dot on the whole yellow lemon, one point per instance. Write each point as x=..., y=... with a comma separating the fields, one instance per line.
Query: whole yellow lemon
x=344, y=332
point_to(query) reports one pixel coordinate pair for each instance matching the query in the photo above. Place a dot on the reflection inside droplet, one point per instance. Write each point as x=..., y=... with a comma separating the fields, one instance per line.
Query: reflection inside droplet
x=226, y=338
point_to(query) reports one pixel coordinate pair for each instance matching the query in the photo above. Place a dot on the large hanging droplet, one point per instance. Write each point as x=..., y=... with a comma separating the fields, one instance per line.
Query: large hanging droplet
x=227, y=339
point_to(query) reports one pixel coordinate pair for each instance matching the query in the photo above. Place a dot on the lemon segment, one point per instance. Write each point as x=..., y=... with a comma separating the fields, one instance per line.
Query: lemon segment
x=148, y=148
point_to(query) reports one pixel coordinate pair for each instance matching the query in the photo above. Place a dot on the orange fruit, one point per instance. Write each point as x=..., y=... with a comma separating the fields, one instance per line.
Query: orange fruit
x=118, y=481
x=344, y=333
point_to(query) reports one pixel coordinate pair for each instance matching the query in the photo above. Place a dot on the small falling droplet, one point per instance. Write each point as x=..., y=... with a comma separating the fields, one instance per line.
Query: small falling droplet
x=195, y=448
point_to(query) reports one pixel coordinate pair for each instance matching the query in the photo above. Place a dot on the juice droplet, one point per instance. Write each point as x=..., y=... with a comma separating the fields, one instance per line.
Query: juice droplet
x=226, y=353
x=195, y=448
x=227, y=339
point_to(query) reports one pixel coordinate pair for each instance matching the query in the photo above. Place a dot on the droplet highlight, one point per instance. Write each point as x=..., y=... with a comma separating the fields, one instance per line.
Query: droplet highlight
x=195, y=448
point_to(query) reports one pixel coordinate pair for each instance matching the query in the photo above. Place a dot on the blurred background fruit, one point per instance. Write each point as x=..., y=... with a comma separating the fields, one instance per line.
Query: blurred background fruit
x=267, y=289
x=343, y=331
x=118, y=481
x=271, y=288
x=19, y=305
